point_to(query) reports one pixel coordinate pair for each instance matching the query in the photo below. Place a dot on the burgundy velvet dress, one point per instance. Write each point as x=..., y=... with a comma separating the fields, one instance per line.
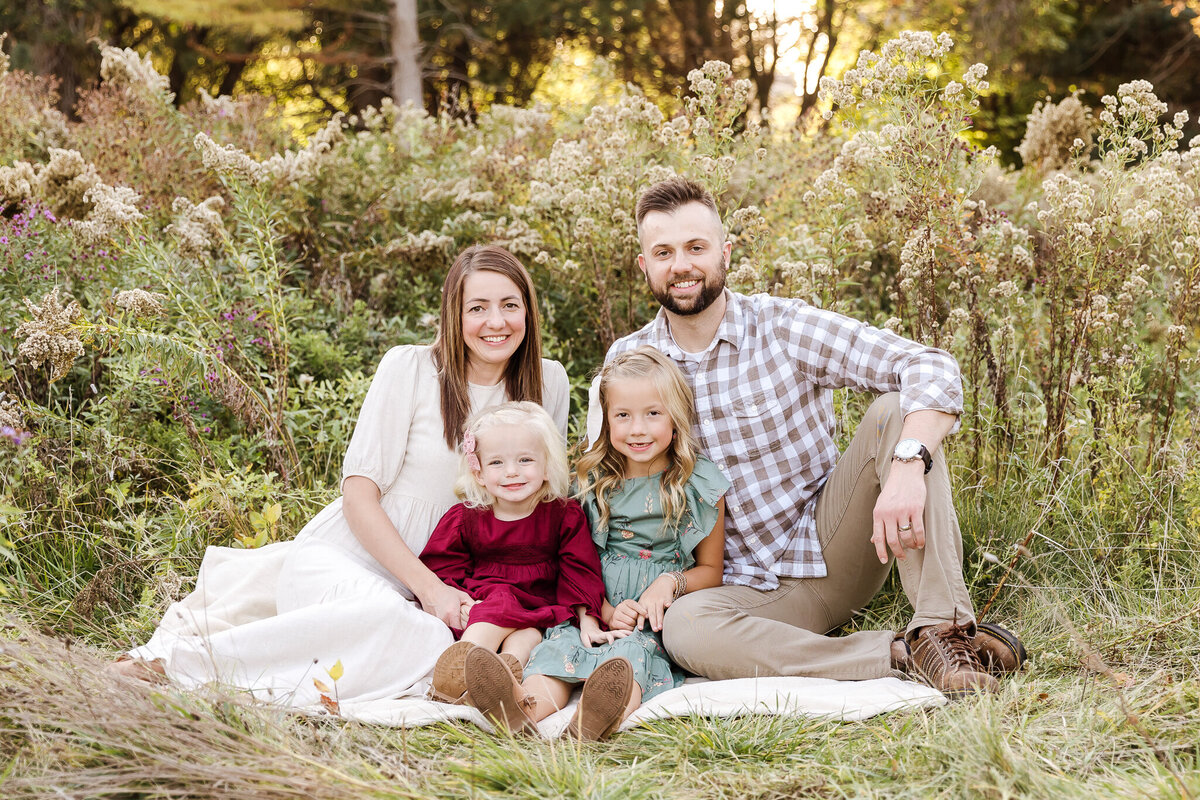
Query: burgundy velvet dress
x=525, y=573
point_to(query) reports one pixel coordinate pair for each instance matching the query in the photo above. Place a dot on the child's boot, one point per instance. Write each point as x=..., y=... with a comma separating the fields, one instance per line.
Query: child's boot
x=449, y=676
x=492, y=688
x=606, y=694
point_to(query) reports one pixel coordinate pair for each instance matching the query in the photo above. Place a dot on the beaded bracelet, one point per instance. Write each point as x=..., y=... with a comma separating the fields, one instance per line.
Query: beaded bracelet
x=680, y=584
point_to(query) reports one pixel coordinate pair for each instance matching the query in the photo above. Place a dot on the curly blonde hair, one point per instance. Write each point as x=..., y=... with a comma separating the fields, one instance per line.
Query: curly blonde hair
x=601, y=469
x=527, y=415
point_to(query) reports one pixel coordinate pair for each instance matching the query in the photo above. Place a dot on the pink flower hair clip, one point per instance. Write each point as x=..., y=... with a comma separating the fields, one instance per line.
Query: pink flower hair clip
x=468, y=446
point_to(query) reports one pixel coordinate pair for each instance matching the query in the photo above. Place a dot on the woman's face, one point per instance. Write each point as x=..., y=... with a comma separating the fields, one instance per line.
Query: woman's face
x=493, y=323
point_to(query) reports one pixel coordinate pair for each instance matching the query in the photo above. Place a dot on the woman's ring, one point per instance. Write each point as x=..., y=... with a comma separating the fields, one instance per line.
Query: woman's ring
x=907, y=527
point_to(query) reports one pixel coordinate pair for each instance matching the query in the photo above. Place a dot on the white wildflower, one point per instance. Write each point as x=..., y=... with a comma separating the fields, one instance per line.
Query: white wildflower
x=16, y=184
x=298, y=166
x=220, y=106
x=1054, y=132
x=10, y=408
x=973, y=77
x=198, y=228
x=125, y=69
x=64, y=181
x=113, y=207
x=141, y=303
x=228, y=160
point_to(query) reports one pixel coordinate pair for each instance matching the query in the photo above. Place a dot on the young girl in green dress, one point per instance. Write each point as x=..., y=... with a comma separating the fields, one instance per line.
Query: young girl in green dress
x=656, y=511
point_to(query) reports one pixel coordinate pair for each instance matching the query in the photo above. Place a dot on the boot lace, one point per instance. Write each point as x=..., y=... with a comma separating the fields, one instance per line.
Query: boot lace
x=957, y=643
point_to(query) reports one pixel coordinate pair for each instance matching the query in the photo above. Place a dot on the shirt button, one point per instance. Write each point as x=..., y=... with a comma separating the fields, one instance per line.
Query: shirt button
x=737, y=507
x=708, y=423
x=721, y=465
x=753, y=408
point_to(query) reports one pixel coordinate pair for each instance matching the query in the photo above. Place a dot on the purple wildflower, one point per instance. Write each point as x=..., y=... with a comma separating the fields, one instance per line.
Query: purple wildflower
x=17, y=437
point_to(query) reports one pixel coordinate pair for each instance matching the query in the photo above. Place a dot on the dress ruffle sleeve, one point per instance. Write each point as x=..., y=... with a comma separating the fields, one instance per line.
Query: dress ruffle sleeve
x=592, y=510
x=556, y=393
x=703, y=491
x=380, y=440
x=446, y=552
x=579, y=580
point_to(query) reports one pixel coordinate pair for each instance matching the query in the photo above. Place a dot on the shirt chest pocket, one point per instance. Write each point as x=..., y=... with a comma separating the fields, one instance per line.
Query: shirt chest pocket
x=756, y=424
x=760, y=405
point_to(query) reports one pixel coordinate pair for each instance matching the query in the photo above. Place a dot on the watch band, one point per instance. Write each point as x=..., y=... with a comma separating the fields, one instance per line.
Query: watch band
x=922, y=454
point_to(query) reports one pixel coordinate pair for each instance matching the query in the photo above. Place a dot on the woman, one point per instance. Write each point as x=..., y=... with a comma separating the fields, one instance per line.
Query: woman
x=350, y=588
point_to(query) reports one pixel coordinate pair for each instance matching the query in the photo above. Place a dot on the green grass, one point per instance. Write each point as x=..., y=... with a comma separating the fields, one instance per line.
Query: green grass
x=1109, y=705
x=1101, y=711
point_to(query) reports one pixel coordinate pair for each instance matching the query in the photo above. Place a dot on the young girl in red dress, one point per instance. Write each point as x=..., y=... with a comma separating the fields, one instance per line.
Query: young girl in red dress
x=516, y=544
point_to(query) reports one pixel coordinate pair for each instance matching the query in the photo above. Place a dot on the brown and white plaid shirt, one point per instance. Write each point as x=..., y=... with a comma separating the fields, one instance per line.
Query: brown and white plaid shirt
x=765, y=408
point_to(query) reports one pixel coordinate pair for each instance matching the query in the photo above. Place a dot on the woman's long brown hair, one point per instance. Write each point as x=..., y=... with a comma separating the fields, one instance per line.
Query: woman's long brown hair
x=522, y=374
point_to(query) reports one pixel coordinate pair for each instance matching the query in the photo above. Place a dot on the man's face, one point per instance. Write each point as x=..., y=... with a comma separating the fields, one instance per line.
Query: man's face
x=684, y=258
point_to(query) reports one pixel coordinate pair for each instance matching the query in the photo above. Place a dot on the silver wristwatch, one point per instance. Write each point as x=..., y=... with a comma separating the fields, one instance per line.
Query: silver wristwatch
x=910, y=450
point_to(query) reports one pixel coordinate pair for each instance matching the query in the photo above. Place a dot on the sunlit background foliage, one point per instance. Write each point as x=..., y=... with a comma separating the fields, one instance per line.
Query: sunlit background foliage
x=208, y=240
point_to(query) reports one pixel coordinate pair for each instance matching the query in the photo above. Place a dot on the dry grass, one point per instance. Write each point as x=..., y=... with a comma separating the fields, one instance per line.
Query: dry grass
x=68, y=729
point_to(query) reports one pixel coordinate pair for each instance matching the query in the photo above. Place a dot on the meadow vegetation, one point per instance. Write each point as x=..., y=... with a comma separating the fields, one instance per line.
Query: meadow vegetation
x=194, y=304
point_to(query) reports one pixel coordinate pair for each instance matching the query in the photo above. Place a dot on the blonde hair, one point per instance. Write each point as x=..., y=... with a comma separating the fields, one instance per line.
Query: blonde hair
x=601, y=469
x=530, y=416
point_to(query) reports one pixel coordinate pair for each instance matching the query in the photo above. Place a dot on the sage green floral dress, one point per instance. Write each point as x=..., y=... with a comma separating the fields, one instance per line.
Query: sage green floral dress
x=634, y=550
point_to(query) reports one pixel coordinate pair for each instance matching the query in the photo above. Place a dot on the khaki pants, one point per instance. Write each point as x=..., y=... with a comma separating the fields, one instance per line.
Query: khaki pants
x=740, y=632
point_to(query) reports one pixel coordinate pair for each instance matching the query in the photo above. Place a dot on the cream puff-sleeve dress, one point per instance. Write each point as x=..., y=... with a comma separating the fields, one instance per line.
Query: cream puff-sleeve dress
x=271, y=620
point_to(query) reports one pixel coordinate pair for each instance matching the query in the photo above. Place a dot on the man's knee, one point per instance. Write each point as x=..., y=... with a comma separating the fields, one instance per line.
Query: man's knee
x=883, y=410
x=690, y=622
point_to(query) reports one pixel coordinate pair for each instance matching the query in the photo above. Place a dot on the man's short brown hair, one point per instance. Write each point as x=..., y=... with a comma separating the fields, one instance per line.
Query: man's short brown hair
x=667, y=196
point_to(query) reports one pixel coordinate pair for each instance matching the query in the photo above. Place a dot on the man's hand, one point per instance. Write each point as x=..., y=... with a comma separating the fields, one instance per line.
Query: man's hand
x=656, y=599
x=446, y=603
x=899, y=516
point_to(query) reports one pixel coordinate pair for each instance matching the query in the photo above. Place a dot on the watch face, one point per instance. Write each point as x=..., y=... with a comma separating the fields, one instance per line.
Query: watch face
x=908, y=449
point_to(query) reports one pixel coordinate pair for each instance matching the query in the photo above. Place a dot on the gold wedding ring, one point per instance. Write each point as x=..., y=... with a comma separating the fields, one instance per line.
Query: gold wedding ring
x=907, y=527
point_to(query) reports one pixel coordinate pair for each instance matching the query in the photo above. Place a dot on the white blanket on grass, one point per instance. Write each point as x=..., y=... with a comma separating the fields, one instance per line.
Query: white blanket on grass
x=237, y=587
x=805, y=697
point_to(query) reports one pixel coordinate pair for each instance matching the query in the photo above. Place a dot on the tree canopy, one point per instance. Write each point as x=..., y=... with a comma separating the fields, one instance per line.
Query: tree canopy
x=327, y=55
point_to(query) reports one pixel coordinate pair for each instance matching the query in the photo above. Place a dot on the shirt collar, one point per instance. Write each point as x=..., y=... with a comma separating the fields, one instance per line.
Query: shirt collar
x=731, y=329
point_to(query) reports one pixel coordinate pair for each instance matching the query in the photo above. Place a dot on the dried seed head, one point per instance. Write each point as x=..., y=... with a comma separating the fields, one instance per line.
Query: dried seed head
x=51, y=338
x=141, y=303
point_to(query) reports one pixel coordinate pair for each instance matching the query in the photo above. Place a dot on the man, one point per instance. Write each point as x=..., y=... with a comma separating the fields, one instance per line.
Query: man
x=810, y=536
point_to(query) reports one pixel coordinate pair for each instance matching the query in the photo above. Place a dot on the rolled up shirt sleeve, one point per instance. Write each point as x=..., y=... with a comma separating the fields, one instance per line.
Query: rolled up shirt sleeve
x=838, y=352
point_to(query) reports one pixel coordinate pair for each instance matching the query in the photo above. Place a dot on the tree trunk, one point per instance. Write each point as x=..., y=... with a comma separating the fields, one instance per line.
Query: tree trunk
x=406, y=51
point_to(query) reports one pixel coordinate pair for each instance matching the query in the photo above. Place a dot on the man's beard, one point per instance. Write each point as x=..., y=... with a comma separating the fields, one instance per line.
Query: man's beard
x=709, y=292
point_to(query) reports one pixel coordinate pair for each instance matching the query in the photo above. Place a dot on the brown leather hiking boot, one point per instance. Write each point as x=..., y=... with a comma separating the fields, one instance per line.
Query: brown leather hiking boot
x=999, y=650
x=942, y=654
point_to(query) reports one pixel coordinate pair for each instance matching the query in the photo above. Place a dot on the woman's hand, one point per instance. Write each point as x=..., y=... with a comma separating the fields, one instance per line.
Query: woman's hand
x=628, y=616
x=590, y=633
x=657, y=599
x=464, y=612
x=446, y=603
